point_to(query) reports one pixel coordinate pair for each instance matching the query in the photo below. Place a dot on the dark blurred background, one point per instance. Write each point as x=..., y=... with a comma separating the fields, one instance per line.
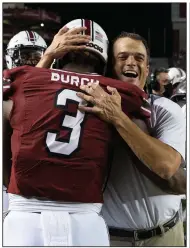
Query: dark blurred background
x=163, y=25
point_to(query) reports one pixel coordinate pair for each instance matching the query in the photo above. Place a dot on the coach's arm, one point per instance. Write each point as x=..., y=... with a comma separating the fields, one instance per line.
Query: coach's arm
x=159, y=157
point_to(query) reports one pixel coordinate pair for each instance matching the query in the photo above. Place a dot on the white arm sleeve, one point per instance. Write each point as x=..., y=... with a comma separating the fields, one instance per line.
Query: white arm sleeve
x=168, y=123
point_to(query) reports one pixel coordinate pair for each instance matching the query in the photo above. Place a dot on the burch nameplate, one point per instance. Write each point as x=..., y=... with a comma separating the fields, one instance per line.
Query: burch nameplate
x=71, y=79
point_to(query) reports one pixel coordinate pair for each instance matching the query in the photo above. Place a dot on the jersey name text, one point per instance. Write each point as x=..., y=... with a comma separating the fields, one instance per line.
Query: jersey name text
x=73, y=80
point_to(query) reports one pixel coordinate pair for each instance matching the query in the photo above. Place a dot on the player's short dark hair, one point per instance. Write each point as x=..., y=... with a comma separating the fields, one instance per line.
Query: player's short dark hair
x=159, y=70
x=84, y=58
x=134, y=36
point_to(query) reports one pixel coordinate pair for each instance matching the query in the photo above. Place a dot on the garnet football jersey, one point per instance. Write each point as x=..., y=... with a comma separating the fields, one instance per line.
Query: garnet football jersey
x=58, y=152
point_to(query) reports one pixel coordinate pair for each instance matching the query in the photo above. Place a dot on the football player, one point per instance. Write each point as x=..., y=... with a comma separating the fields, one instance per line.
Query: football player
x=176, y=76
x=24, y=48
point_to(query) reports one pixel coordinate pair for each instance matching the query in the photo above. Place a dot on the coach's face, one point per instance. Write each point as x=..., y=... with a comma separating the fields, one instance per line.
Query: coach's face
x=130, y=61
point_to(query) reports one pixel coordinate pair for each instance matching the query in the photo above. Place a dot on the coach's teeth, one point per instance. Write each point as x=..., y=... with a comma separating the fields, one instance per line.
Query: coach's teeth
x=132, y=74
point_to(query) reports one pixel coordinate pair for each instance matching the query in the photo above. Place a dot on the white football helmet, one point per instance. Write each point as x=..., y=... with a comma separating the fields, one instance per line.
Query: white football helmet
x=180, y=91
x=99, y=40
x=25, y=48
x=176, y=75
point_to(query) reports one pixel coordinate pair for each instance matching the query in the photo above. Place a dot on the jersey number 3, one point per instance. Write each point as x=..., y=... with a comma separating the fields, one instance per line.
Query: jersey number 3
x=69, y=122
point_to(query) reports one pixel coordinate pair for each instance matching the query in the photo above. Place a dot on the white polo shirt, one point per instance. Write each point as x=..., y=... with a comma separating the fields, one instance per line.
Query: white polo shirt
x=131, y=200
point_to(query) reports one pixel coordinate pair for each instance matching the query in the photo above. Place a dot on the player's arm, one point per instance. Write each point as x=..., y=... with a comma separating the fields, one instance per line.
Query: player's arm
x=63, y=42
x=7, y=131
x=158, y=156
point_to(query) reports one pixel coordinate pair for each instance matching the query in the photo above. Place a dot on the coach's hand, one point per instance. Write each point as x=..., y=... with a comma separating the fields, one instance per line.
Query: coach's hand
x=67, y=40
x=106, y=106
x=64, y=41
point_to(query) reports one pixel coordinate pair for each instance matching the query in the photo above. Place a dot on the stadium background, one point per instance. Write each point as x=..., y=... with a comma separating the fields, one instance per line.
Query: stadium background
x=163, y=25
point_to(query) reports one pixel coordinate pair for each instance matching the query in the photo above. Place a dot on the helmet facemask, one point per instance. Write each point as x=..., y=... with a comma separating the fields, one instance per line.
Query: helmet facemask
x=24, y=48
x=25, y=55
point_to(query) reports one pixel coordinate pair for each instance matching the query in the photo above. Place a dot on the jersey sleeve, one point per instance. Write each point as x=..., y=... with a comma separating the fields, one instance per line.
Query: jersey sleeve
x=168, y=124
x=11, y=80
x=7, y=89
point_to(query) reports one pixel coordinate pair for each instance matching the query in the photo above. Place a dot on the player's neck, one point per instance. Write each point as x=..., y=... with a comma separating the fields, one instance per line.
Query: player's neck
x=79, y=68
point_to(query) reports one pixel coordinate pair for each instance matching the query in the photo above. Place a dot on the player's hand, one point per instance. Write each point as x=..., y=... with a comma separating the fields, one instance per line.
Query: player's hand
x=106, y=106
x=67, y=40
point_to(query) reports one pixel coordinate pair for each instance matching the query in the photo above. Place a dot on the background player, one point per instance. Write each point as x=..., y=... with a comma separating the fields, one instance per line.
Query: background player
x=24, y=48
